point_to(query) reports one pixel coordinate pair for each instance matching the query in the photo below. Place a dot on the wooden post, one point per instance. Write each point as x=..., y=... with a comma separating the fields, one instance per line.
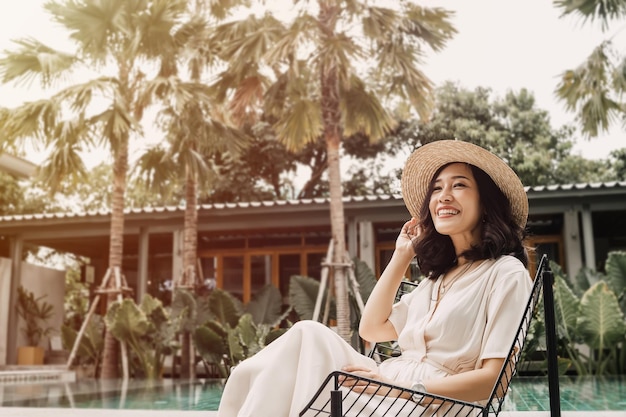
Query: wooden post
x=92, y=309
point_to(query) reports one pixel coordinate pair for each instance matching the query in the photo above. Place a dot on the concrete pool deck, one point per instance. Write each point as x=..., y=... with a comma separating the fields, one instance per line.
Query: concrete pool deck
x=82, y=412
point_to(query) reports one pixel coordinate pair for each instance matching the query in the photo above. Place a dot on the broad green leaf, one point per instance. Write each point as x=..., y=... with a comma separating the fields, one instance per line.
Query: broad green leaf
x=303, y=293
x=601, y=322
x=247, y=331
x=126, y=321
x=224, y=307
x=184, y=307
x=210, y=345
x=365, y=278
x=615, y=267
x=237, y=353
x=567, y=307
x=154, y=311
x=585, y=279
x=265, y=307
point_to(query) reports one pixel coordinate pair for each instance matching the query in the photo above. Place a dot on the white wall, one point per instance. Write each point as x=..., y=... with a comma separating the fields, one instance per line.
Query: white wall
x=49, y=283
x=39, y=280
x=5, y=288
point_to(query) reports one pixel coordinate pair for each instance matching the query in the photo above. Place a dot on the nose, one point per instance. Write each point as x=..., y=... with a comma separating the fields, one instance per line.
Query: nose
x=445, y=195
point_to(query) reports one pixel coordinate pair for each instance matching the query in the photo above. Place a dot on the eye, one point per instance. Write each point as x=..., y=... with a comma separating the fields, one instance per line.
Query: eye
x=459, y=185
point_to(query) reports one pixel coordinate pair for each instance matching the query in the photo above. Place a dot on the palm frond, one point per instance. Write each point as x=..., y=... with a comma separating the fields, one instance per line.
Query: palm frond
x=378, y=22
x=302, y=124
x=222, y=137
x=248, y=40
x=33, y=119
x=602, y=10
x=65, y=161
x=157, y=27
x=247, y=96
x=363, y=113
x=93, y=23
x=429, y=25
x=301, y=31
x=117, y=124
x=35, y=60
x=80, y=96
x=155, y=170
x=399, y=73
x=586, y=90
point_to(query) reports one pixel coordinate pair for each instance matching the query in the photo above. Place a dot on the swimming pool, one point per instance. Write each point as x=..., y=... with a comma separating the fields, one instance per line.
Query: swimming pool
x=527, y=394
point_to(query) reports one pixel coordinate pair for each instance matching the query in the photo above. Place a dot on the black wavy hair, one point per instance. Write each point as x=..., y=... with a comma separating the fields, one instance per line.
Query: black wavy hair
x=500, y=235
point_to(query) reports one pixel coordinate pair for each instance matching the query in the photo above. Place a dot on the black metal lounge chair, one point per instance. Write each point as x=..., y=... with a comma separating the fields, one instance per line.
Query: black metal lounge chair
x=335, y=399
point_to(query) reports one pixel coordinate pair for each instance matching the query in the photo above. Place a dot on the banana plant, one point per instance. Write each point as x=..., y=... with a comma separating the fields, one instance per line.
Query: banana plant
x=590, y=311
x=91, y=343
x=148, y=329
x=235, y=332
x=303, y=292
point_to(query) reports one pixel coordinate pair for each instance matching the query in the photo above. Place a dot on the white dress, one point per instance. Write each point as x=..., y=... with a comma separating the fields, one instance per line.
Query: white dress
x=476, y=320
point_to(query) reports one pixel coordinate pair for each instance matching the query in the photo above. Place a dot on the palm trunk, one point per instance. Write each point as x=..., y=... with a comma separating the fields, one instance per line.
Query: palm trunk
x=331, y=115
x=110, y=361
x=188, y=279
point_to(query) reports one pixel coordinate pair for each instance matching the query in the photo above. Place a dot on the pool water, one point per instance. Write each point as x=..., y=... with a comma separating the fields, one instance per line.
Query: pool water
x=115, y=394
x=585, y=393
x=527, y=394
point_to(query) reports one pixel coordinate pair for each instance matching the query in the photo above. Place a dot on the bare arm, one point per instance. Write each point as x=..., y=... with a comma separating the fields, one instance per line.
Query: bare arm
x=375, y=325
x=475, y=385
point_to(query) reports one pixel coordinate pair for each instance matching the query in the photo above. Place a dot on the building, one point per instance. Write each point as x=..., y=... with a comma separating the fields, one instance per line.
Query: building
x=244, y=246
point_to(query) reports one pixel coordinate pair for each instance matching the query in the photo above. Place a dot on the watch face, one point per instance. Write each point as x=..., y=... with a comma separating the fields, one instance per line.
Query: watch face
x=418, y=386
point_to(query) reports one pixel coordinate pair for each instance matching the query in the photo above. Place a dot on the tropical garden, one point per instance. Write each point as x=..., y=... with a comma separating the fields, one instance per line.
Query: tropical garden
x=237, y=105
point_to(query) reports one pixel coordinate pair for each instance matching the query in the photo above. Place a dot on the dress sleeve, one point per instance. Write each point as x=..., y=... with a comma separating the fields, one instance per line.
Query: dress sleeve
x=400, y=310
x=506, y=305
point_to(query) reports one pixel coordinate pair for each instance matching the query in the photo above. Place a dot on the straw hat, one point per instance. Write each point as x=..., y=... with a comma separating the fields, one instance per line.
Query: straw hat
x=424, y=162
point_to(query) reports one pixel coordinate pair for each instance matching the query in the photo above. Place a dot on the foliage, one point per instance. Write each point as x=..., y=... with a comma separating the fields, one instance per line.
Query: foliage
x=328, y=73
x=35, y=312
x=148, y=329
x=76, y=306
x=303, y=293
x=590, y=322
x=76, y=301
x=513, y=128
x=89, y=350
x=594, y=90
x=234, y=332
x=128, y=52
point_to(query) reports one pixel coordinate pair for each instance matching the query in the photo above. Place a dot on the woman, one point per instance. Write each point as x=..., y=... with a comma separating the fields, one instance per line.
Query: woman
x=469, y=212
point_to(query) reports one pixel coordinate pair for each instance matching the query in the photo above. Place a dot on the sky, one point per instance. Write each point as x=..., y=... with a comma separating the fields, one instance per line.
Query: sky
x=502, y=44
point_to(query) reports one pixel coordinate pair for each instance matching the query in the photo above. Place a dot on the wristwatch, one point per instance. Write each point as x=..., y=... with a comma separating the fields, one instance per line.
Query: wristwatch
x=418, y=386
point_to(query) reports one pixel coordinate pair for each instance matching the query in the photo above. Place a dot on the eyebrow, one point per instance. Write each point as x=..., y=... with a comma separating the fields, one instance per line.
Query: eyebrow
x=456, y=177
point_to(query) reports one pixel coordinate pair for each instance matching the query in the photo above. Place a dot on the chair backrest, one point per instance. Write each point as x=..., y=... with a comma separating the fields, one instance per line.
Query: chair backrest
x=381, y=351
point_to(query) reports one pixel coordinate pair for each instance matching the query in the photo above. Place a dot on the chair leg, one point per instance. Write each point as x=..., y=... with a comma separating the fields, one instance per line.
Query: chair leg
x=336, y=409
x=553, y=366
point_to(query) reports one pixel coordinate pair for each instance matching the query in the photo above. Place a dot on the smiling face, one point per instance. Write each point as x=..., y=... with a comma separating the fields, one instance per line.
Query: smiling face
x=455, y=205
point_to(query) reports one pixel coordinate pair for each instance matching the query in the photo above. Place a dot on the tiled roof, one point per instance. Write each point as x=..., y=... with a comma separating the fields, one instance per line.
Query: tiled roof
x=543, y=190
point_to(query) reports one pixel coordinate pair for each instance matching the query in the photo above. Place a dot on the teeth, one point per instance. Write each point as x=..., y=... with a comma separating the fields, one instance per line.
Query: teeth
x=447, y=212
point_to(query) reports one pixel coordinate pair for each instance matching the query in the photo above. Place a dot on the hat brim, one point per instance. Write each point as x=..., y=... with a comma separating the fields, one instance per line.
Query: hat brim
x=424, y=162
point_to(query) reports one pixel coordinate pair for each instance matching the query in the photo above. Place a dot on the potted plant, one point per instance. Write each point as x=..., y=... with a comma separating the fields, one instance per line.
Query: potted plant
x=35, y=312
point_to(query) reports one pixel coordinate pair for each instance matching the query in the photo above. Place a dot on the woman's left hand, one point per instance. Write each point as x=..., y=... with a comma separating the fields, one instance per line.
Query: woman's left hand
x=359, y=385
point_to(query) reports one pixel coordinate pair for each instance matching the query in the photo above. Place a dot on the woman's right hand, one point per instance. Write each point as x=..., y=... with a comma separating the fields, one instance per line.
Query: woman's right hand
x=408, y=234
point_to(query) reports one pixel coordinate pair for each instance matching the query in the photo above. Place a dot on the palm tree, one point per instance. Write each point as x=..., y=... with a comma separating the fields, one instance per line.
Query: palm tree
x=125, y=39
x=594, y=90
x=333, y=70
x=197, y=130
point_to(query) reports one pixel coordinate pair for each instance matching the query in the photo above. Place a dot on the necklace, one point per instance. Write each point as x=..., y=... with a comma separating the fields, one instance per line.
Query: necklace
x=443, y=288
